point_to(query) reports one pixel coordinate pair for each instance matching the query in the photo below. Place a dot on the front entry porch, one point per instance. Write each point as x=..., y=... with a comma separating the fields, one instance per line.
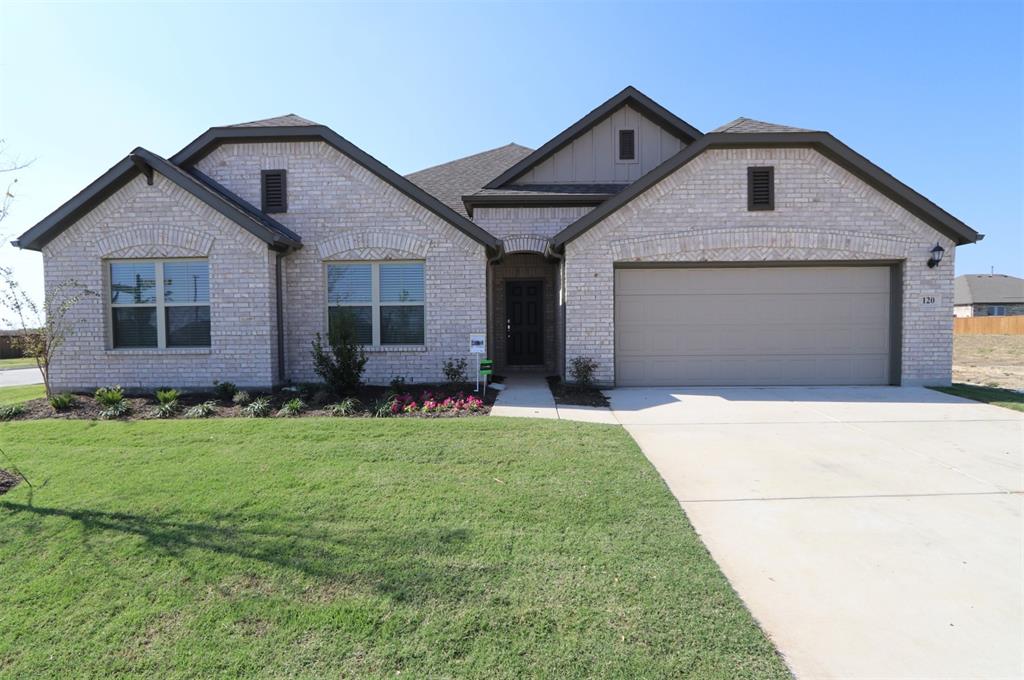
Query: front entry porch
x=525, y=324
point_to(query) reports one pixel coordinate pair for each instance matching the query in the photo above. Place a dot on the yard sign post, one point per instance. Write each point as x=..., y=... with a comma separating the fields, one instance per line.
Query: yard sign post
x=477, y=344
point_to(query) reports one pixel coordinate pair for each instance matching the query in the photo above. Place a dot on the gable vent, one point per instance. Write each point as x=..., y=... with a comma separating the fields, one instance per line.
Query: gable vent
x=627, y=145
x=274, y=191
x=761, y=188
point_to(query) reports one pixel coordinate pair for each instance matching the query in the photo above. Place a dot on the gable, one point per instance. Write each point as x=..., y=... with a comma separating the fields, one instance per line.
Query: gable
x=591, y=150
x=592, y=157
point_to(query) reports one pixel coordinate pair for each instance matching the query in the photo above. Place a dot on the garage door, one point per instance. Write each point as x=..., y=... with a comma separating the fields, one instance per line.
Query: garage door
x=752, y=326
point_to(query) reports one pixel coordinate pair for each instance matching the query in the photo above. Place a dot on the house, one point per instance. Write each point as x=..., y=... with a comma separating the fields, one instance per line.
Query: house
x=988, y=295
x=752, y=254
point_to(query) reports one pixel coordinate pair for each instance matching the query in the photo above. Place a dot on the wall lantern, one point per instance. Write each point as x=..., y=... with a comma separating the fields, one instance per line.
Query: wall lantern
x=937, y=253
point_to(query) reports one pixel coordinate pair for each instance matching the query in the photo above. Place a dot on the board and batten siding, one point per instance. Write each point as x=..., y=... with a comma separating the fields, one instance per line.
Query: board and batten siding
x=592, y=158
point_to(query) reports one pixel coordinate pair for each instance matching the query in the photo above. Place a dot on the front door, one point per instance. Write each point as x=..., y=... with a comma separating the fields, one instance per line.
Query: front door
x=524, y=323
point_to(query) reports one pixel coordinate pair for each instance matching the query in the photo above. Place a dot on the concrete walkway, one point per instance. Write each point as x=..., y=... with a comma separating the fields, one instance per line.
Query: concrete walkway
x=20, y=376
x=528, y=396
x=872, y=532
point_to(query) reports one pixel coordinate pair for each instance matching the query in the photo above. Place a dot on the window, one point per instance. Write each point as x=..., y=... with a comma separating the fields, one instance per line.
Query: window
x=382, y=302
x=274, y=191
x=627, y=145
x=996, y=310
x=761, y=188
x=160, y=303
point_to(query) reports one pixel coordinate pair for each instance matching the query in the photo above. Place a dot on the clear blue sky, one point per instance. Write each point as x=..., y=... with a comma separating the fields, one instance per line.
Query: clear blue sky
x=932, y=92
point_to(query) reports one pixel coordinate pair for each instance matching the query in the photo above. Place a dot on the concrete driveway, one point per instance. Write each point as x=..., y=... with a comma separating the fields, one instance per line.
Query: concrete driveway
x=20, y=376
x=873, y=532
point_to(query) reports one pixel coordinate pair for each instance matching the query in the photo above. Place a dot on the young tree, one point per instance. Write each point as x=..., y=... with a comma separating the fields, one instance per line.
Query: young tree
x=44, y=329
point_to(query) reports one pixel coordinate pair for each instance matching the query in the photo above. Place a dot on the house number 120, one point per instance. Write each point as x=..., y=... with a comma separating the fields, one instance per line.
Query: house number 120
x=928, y=300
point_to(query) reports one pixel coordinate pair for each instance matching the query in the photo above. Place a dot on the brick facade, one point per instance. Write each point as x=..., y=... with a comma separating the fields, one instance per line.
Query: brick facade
x=344, y=212
x=822, y=213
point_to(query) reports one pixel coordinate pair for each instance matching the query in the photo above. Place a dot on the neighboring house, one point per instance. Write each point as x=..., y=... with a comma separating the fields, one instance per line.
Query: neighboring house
x=988, y=295
x=753, y=254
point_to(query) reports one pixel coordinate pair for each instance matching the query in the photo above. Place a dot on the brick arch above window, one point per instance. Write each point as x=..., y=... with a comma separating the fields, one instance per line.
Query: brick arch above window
x=155, y=241
x=373, y=245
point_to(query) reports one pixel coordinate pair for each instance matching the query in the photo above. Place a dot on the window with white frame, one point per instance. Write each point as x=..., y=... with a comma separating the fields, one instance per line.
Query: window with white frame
x=382, y=303
x=160, y=303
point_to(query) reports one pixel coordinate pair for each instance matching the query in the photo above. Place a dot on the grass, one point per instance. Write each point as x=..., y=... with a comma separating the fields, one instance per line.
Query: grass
x=989, y=395
x=19, y=394
x=19, y=362
x=320, y=547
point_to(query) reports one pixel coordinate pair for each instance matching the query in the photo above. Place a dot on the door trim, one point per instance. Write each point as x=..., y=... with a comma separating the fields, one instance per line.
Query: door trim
x=896, y=268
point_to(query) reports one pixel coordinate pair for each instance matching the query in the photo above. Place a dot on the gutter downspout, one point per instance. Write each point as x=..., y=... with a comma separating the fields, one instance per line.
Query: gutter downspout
x=559, y=257
x=279, y=292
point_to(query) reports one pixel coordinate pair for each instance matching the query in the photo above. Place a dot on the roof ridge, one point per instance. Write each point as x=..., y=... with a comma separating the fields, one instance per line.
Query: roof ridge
x=466, y=158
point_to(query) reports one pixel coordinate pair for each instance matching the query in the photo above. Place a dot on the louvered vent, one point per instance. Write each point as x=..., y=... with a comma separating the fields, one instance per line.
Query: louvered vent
x=627, y=145
x=275, y=191
x=761, y=188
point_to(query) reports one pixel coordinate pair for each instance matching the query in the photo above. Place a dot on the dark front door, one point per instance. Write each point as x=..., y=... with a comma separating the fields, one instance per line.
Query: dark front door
x=524, y=325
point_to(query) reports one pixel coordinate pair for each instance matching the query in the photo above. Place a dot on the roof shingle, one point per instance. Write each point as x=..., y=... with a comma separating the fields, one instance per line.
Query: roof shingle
x=287, y=120
x=972, y=289
x=749, y=126
x=450, y=181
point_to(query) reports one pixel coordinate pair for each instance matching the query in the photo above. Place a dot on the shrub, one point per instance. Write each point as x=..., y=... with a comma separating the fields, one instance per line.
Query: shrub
x=241, y=398
x=116, y=410
x=11, y=412
x=167, y=395
x=582, y=371
x=384, y=408
x=454, y=371
x=203, y=410
x=345, y=407
x=62, y=402
x=292, y=407
x=109, y=396
x=224, y=391
x=341, y=365
x=257, y=408
x=166, y=409
x=398, y=384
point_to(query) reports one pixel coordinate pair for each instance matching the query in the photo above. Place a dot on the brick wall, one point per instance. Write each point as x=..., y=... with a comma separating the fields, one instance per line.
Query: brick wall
x=822, y=212
x=344, y=212
x=142, y=221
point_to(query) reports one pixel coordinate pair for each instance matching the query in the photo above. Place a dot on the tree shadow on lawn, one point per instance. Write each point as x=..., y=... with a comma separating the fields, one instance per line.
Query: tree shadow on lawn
x=405, y=566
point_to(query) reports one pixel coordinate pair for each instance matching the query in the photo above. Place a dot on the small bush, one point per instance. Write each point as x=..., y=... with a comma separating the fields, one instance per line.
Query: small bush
x=292, y=407
x=454, y=371
x=203, y=410
x=582, y=371
x=257, y=408
x=116, y=410
x=383, y=408
x=241, y=398
x=62, y=402
x=341, y=364
x=224, y=391
x=167, y=395
x=109, y=396
x=345, y=407
x=398, y=384
x=11, y=412
x=166, y=409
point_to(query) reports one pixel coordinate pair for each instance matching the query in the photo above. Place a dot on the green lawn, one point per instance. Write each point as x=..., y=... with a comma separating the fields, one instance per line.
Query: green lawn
x=19, y=394
x=474, y=547
x=990, y=395
x=20, y=362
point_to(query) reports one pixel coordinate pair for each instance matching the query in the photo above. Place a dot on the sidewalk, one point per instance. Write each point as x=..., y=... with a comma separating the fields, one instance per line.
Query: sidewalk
x=528, y=396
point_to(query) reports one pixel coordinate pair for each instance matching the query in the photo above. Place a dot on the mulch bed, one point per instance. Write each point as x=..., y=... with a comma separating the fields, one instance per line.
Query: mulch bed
x=575, y=395
x=8, y=480
x=316, y=398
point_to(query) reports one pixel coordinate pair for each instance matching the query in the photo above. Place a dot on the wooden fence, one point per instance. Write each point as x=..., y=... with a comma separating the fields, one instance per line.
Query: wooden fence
x=989, y=325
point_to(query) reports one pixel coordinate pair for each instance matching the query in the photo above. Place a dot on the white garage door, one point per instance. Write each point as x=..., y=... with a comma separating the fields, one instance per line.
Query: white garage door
x=752, y=326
